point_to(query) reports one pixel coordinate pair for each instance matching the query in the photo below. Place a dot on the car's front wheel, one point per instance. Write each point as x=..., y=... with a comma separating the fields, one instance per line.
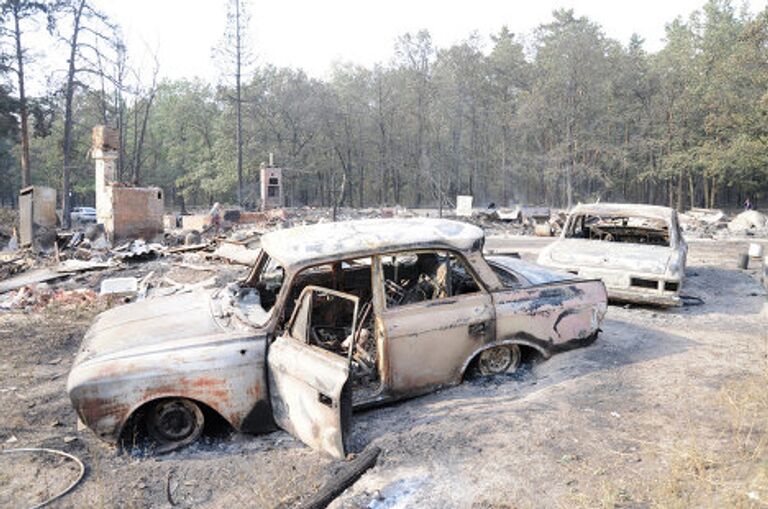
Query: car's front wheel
x=174, y=423
x=499, y=359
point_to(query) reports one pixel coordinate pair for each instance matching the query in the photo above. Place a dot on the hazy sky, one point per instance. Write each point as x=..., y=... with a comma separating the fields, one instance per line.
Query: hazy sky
x=312, y=34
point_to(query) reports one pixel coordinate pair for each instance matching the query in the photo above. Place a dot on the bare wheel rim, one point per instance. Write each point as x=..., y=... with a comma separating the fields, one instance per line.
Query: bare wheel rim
x=499, y=359
x=175, y=423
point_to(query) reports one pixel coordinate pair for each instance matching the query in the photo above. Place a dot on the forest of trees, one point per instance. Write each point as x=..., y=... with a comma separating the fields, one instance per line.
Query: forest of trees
x=555, y=117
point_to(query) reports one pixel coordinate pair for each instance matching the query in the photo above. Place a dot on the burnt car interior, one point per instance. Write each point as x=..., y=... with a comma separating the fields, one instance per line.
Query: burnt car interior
x=409, y=277
x=329, y=325
x=331, y=317
x=422, y=276
x=619, y=228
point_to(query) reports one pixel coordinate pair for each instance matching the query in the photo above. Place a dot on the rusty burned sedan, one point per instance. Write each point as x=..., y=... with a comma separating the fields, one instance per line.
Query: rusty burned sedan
x=637, y=250
x=331, y=318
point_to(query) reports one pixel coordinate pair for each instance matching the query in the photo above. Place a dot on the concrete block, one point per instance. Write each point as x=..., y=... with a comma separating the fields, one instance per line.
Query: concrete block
x=104, y=138
x=197, y=222
x=132, y=213
x=170, y=222
x=119, y=285
x=37, y=213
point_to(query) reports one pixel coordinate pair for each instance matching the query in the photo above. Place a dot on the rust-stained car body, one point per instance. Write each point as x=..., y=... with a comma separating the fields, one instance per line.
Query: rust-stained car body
x=331, y=317
x=637, y=250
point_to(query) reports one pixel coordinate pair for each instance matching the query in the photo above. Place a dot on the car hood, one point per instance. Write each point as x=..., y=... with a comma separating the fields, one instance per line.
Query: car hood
x=574, y=253
x=152, y=325
x=535, y=274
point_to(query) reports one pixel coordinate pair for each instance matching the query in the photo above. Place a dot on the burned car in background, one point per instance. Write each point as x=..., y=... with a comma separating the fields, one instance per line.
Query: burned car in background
x=332, y=317
x=637, y=250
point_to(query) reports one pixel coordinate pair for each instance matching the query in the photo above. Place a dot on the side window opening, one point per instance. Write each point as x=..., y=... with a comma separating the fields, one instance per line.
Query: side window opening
x=413, y=277
x=507, y=279
x=331, y=319
x=351, y=276
x=330, y=322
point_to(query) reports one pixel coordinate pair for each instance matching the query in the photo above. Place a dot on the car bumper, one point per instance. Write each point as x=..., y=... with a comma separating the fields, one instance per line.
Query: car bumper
x=644, y=297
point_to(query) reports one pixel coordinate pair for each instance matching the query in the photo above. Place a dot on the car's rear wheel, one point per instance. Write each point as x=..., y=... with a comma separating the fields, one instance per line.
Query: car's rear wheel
x=174, y=423
x=498, y=360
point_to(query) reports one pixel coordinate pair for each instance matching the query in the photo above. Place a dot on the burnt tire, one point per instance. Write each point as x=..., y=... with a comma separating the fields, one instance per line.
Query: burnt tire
x=499, y=359
x=174, y=423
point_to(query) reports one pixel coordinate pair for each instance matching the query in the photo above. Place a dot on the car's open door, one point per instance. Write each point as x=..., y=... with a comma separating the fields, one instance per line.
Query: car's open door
x=307, y=383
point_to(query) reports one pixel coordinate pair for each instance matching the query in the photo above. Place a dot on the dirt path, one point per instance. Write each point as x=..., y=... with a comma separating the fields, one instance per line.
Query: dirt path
x=667, y=408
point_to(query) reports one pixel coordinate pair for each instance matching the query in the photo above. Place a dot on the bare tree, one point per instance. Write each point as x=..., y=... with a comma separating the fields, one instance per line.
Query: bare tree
x=121, y=68
x=87, y=26
x=235, y=53
x=141, y=108
x=415, y=54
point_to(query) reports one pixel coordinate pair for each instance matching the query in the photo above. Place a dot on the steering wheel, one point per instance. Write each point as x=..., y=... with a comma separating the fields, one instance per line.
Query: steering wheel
x=394, y=292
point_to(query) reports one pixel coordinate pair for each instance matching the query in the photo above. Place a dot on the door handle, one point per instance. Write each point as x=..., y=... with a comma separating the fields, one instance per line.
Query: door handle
x=477, y=329
x=325, y=400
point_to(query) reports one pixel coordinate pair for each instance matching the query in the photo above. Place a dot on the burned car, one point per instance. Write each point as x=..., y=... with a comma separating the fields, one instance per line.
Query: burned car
x=331, y=318
x=637, y=250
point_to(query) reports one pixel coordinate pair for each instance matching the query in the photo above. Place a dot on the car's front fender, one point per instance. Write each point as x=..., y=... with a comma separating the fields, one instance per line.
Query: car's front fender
x=228, y=377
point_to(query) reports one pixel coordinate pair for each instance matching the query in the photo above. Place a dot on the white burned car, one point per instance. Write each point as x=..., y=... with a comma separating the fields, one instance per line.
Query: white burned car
x=637, y=250
x=331, y=318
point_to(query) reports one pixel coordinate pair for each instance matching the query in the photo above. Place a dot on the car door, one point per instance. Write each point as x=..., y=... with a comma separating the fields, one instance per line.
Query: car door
x=308, y=384
x=428, y=342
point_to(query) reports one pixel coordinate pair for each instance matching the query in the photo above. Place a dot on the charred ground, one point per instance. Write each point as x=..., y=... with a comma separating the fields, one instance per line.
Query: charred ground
x=667, y=408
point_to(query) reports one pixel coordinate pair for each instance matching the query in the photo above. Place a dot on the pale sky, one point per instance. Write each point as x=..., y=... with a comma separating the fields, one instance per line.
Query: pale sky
x=313, y=34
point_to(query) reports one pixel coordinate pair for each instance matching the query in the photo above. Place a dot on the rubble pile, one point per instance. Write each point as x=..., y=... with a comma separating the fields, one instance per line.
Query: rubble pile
x=703, y=222
x=520, y=220
x=82, y=266
x=80, y=261
x=40, y=296
x=749, y=222
x=717, y=224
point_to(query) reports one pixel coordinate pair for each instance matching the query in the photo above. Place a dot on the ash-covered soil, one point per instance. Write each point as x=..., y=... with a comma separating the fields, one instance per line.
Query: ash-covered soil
x=668, y=408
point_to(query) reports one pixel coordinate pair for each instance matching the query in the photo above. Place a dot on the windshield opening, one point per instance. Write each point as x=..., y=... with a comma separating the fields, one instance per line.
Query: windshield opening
x=259, y=295
x=619, y=228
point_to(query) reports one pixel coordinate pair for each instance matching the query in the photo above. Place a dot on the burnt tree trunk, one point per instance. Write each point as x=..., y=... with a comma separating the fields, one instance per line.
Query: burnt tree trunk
x=238, y=105
x=68, y=96
x=26, y=173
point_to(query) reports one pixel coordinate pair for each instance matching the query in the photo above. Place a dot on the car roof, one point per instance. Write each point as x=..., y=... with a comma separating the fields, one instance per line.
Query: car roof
x=319, y=243
x=629, y=209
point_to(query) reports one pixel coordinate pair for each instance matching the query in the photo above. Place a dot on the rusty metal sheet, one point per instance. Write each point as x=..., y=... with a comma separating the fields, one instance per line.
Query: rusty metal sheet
x=227, y=376
x=425, y=354
x=179, y=346
x=550, y=315
x=306, y=386
x=31, y=277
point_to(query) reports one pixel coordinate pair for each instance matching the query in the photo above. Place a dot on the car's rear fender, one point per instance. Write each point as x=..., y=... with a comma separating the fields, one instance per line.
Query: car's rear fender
x=552, y=314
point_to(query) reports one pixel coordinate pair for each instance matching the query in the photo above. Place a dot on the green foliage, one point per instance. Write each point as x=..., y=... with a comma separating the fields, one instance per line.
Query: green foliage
x=574, y=115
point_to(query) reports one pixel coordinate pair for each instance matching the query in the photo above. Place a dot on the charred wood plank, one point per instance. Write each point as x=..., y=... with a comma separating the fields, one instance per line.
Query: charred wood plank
x=344, y=478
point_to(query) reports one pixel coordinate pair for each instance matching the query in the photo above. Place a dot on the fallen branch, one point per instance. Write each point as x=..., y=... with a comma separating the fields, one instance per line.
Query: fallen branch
x=347, y=475
x=59, y=453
